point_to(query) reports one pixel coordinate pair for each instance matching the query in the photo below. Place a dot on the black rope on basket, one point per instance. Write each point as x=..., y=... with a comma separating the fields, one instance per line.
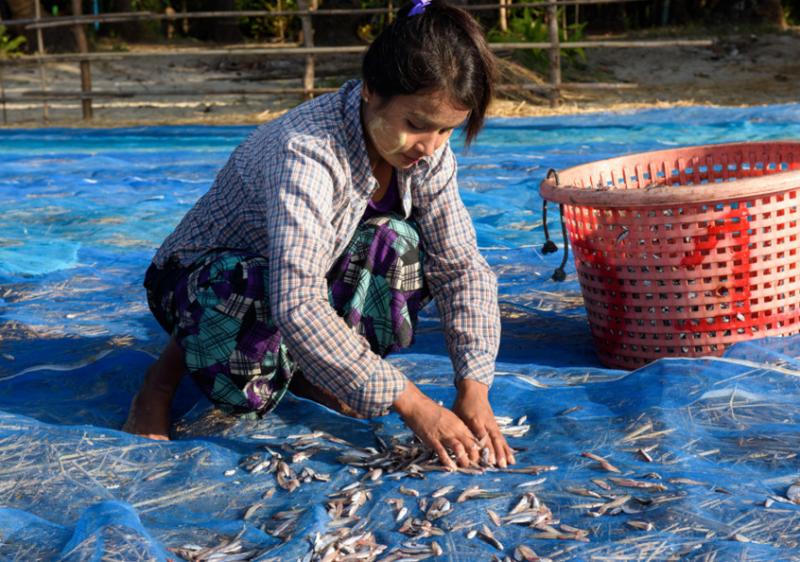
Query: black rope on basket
x=559, y=274
x=549, y=246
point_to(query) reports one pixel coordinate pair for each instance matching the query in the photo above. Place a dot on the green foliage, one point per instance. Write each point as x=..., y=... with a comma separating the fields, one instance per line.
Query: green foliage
x=282, y=28
x=373, y=24
x=156, y=6
x=788, y=15
x=528, y=26
x=8, y=46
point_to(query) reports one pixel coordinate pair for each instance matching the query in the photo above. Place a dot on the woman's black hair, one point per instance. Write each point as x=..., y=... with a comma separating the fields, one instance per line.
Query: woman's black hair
x=442, y=48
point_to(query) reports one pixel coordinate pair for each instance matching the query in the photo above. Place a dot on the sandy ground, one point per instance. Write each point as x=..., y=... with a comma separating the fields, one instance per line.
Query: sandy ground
x=746, y=69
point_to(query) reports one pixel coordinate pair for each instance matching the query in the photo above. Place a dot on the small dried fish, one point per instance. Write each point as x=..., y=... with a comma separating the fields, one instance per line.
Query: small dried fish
x=486, y=534
x=494, y=517
x=468, y=493
x=686, y=481
x=533, y=469
x=641, y=525
x=793, y=493
x=606, y=507
x=345, y=544
x=645, y=485
x=439, y=508
x=227, y=550
x=601, y=483
x=397, y=503
x=409, y=491
x=252, y=509
x=604, y=464
x=262, y=437
x=442, y=491
x=164, y=473
x=584, y=492
x=570, y=410
x=420, y=528
x=526, y=554
x=374, y=474
x=532, y=483
x=515, y=430
x=486, y=457
x=644, y=428
x=300, y=457
x=313, y=435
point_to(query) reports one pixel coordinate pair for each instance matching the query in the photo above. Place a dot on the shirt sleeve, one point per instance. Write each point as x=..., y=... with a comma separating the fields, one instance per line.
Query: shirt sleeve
x=301, y=239
x=460, y=279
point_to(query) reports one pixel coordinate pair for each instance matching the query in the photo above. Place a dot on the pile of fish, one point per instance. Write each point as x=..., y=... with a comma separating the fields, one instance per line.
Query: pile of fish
x=345, y=544
x=346, y=537
x=226, y=551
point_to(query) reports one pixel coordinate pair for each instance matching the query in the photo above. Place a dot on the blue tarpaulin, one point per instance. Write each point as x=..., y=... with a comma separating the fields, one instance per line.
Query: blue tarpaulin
x=715, y=440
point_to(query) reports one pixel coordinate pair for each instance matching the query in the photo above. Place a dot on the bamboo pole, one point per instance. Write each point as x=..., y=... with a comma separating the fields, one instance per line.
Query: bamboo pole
x=149, y=16
x=86, y=69
x=308, y=41
x=353, y=49
x=554, y=54
x=281, y=24
x=185, y=18
x=100, y=94
x=42, y=72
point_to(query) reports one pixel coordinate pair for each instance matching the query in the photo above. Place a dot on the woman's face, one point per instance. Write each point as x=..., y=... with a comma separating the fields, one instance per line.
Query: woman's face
x=405, y=128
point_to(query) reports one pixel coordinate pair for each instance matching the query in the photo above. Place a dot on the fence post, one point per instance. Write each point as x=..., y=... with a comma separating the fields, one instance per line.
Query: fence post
x=308, y=41
x=555, y=53
x=3, y=94
x=86, y=69
x=503, y=22
x=42, y=73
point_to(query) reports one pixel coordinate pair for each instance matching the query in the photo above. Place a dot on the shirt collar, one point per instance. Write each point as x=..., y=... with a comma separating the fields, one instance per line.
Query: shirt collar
x=363, y=180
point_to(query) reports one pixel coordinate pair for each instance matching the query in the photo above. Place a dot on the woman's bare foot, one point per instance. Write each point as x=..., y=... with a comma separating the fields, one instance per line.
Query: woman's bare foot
x=149, y=412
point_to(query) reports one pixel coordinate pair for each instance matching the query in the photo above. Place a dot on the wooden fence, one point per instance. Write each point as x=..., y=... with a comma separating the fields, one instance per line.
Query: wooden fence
x=308, y=12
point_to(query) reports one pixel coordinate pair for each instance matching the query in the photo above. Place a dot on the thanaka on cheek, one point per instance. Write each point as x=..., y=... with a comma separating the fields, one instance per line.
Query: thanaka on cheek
x=385, y=139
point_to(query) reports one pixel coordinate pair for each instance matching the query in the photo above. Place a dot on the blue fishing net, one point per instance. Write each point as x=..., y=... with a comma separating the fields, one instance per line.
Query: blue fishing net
x=714, y=440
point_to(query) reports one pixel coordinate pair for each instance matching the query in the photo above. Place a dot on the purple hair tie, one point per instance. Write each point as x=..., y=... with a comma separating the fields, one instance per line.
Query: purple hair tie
x=419, y=7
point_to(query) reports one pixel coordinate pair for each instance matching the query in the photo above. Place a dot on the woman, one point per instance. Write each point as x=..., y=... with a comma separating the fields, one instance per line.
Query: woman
x=322, y=238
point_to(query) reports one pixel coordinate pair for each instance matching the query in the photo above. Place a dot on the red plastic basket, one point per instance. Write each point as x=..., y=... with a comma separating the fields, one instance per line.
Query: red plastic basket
x=685, y=252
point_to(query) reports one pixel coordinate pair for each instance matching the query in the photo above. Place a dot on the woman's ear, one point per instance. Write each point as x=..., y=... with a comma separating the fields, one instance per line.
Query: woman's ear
x=365, y=93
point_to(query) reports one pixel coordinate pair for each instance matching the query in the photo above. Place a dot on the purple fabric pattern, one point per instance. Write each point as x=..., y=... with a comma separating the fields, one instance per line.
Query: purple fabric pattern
x=218, y=310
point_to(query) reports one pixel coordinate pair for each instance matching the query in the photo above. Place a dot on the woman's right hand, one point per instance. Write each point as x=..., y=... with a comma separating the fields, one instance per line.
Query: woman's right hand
x=437, y=427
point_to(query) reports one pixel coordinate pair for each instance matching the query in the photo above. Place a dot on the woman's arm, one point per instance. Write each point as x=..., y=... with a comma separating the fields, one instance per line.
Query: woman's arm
x=465, y=290
x=301, y=242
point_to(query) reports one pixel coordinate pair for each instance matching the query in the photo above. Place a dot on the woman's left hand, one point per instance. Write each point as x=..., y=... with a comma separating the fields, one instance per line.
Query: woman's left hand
x=472, y=406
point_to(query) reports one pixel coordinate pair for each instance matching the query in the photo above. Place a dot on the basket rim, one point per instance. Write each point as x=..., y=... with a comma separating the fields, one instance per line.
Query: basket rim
x=664, y=196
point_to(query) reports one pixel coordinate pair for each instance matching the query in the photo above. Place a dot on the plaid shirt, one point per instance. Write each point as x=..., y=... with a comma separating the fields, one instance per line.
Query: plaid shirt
x=295, y=191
